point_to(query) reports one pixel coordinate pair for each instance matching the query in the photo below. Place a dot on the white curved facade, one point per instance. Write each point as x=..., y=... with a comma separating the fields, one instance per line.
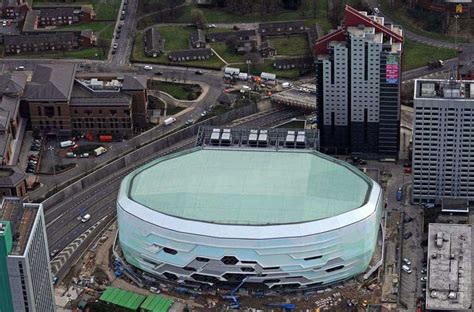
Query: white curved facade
x=301, y=254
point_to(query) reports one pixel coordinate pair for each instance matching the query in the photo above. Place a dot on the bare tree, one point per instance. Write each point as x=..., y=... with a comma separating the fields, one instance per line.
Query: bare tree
x=198, y=18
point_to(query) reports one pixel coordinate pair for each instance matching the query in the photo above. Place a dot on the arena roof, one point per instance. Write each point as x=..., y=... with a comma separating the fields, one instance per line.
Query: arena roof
x=249, y=187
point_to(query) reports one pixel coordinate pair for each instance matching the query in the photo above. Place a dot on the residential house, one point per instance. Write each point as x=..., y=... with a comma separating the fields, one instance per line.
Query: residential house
x=9, y=30
x=154, y=45
x=86, y=14
x=281, y=28
x=305, y=62
x=267, y=49
x=87, y=39
x=31, y=43
x=190, y=55
x=197, y=40
x=57, y=16
x=239, y=35
x=15, y=9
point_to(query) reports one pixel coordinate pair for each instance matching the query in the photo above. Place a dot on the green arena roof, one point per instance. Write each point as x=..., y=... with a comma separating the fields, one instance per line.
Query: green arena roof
x=155, y=303
x=122, y=298
x=252, y=187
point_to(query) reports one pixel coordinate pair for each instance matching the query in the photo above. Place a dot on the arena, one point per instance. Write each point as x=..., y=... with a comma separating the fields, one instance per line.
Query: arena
x=286, y=218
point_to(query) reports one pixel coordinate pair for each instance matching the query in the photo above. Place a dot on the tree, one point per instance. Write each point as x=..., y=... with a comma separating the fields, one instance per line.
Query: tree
x=230, y=42
x=198, y=18
x=254, y=58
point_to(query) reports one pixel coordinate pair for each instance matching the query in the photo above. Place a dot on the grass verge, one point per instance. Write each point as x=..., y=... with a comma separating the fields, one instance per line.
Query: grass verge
x=417, y=54
x=294, y=45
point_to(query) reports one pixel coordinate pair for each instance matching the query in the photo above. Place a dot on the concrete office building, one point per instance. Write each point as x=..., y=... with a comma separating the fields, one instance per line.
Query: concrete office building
x=449, y=285
x=219, y=215
x=25, y=274
x=358, y=81
x=443, y=140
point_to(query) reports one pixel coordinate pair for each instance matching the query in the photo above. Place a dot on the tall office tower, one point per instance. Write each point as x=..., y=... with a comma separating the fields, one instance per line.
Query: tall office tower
x=25, y=274
x=443, y=140
x=358, y=86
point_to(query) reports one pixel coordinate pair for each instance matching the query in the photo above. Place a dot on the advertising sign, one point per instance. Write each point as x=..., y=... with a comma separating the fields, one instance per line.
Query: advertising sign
x=392, y=69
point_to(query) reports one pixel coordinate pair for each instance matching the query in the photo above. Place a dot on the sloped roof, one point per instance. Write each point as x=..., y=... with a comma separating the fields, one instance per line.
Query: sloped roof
x=12, y=83
x=227, y=98
x=51, y=82
x=134, y=82
x=198, y=35
x=11, y=176
x=122, y=298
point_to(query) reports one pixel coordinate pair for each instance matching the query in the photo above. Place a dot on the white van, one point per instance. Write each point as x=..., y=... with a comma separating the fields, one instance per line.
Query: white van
x=169, y=121
x=67, y=143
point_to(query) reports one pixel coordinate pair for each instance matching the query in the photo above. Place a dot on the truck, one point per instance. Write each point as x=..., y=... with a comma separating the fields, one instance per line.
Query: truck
x=99, y=151
x=67, y=143
x=85, y=218
x=399, y=194
x=169, y=121
x=435, y=64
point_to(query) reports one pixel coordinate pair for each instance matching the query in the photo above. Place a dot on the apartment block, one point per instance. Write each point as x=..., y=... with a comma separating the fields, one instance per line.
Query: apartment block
x=358, y=78
x=443, y=140
x=25, y=273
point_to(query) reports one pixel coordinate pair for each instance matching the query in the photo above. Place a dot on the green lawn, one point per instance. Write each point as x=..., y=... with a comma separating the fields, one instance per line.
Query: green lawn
x=401, y=17
x=227, y=54
x=176, y=37
x=138, y=55
x=107, y=32
x=417, y=55
x=94, y=26
x=179, y=91
x=291, y=46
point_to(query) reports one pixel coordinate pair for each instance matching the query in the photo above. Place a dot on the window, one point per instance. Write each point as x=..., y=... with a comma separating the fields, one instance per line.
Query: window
x=39, y=110
x=59, y=110
x=335, y=268
x=49, y=111
x=170, y=251
x=312, y=258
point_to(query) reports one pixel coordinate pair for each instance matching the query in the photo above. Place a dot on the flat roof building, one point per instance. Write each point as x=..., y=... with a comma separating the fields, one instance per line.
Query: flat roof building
x=443, y=131
x=25, y=273
x=449, y=267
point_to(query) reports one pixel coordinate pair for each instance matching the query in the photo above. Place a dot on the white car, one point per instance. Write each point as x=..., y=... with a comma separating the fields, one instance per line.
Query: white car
x=406, y=261
x=4, y=23
x=406, y=268
x=147, y=67
x=212, y=26
x=376, y=11
x=115, y=45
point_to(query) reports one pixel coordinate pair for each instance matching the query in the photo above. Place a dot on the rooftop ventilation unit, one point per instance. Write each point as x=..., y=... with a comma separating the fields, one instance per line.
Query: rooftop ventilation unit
x=263, y=138
x=215, y=136
x=290, y=139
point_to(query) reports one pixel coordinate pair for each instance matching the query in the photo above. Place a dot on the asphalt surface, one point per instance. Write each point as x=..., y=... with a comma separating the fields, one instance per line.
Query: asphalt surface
x=121, y=56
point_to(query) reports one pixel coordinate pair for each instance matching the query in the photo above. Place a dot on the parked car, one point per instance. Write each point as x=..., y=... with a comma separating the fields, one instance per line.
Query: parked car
x=362, y=162
x=117, y=36
x=423, y=278
x=199, y=72
x=158, y=73
x=154, y=290
x=147, y=67
x=406, y=268
x=423, y=271
x=408, y=235
x=115, y=45
x=204, y=114
x=85, y=155
x=406, y=261
x=407, y=219
x=407, y=170
x=406, y=165
x=189, y=122
x=376, y=11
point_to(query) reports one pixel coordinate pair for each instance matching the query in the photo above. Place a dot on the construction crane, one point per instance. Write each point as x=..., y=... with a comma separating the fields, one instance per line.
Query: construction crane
x=287, y=307
x=235, y=301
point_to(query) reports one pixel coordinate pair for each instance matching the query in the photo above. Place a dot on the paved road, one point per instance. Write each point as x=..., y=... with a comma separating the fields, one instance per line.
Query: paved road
x=122, y=53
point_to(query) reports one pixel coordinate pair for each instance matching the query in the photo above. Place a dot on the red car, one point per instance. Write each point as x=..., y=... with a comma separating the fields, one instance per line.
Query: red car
x=407, y=170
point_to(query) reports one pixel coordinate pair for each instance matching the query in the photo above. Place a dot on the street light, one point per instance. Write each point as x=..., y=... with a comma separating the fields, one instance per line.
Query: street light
x=456, y=17
x=51, y=149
